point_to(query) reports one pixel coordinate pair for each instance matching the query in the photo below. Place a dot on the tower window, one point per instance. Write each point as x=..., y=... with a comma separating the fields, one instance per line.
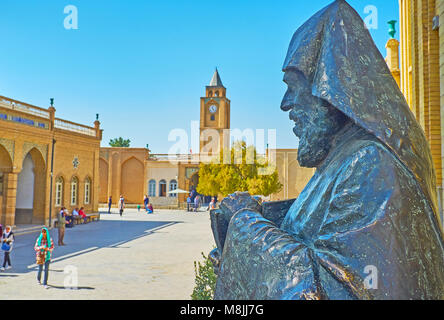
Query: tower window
x=213, y=117
x=216, y=94
x=210, y=93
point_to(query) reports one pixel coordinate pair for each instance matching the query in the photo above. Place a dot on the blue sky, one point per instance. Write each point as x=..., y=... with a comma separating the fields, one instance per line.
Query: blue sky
x=143, y=65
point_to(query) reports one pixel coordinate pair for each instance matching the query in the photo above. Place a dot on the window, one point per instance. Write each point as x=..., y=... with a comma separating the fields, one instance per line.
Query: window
x=74, y=190
x=210, y=94
x=216, y=94
x=162, y=188
x=58, y=192
x=213, y=117
x=173, y=186
x=1, y=183
x=87, y=191
x=152, y=188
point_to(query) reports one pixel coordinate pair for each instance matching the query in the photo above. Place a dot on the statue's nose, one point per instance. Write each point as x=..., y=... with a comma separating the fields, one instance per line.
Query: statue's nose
x=287, y=101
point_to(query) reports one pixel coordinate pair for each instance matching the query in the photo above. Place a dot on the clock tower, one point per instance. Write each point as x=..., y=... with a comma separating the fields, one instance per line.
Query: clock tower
x=214, y=116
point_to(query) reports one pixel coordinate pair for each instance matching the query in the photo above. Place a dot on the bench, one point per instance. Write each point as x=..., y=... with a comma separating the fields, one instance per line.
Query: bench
x=79, y=220
x=92, y=217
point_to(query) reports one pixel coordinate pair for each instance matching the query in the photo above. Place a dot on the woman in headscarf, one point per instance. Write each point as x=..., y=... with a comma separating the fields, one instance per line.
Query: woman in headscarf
x=43, y=247
x=7, y=242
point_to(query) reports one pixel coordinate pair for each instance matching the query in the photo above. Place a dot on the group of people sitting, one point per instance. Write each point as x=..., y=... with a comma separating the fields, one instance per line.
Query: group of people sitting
x=70, y=217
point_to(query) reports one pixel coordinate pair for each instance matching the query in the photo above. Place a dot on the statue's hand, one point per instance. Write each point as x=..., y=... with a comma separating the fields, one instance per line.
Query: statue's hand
x=221, y=217
x=214, y=257
x=237, y=201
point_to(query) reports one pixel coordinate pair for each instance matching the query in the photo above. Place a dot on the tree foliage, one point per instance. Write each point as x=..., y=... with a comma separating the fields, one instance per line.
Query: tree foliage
x=120, y=142
x=241, y=170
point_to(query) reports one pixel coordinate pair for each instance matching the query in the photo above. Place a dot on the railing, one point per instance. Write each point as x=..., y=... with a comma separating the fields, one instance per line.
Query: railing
x=171, y=157
x=74, y=127
x=23, y=107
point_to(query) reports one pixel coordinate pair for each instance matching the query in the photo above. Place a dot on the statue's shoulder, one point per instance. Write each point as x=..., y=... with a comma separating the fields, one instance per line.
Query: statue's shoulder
x=368, y=154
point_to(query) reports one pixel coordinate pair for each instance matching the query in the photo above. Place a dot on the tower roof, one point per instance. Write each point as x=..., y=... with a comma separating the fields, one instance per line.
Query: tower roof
x=216, y=81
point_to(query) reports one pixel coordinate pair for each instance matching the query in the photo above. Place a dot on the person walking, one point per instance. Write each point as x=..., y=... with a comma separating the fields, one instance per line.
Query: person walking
x=7, y=242
x=196, y=203
x=146, y=200
x=121, y=205
x=212, y=204
x=189, y=203
x=61, y=225
x=110, y=203
x=43, y=248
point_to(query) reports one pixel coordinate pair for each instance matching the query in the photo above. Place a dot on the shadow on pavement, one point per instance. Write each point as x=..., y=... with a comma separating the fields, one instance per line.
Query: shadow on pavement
x=80, y=240
x=63, y=288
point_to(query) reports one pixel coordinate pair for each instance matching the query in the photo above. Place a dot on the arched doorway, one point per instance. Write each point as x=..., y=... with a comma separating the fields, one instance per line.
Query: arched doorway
x=30, y=198
x=5, y=168
x=132, y=180
x=194, y=181
x=103, y=184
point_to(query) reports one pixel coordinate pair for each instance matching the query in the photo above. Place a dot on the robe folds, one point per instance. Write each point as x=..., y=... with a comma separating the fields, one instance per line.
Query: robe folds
x=361, y=215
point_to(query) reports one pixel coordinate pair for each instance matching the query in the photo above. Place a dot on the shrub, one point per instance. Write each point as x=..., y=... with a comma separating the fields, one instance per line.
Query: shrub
x=205, y=280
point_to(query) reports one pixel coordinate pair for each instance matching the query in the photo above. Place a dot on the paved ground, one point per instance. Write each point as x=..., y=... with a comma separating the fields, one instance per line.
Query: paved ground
x=138, y=256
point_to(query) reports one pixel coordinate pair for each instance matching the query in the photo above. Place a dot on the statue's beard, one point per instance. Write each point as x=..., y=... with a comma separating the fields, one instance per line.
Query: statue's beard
x=313, y=149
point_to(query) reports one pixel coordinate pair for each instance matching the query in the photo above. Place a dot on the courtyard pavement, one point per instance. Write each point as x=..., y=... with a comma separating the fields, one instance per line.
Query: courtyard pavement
x=138, y=256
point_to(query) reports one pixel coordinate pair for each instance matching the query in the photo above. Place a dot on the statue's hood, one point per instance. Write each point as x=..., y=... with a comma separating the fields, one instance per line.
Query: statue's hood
x=337, y=55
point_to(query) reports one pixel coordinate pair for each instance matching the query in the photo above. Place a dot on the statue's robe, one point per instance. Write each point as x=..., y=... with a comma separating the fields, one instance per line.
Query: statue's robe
x=362, y=216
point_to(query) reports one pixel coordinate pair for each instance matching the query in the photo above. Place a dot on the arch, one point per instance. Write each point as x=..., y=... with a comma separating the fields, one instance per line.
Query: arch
x=132, y=180
x=31, y=189
x=216, y=94
x=103, y=180
x=152, y=188
x=5, y=167
x=162, y=188
x=5, y=160
x=173, y=186
x=210, y=93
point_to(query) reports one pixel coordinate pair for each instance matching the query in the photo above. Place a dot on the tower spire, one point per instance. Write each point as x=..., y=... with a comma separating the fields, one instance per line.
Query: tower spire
x=216, y=81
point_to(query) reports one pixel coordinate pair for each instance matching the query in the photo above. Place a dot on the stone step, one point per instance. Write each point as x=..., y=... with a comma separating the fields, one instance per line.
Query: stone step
x=25, y=229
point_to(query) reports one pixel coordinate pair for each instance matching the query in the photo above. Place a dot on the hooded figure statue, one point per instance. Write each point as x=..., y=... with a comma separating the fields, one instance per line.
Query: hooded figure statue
x=366, y=226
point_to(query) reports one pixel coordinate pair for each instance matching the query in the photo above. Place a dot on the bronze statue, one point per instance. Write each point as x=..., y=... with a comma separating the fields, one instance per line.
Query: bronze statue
x=370, y=210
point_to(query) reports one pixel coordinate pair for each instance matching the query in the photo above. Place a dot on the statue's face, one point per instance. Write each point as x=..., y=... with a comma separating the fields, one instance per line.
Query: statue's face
x=316, y=121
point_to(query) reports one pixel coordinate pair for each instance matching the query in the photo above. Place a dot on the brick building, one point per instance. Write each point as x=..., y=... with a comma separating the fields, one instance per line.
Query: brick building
x=32, y=142
x=421, y=71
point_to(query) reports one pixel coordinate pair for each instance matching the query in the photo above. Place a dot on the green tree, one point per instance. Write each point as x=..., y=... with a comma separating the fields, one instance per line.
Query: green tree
x=241, y=170
x=120, y=142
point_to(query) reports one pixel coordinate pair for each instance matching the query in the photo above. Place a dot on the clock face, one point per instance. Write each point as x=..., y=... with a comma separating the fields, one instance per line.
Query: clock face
x=213, y=108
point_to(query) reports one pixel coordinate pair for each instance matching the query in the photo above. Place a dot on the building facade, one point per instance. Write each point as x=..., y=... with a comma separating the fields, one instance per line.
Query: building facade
x=422, y=72
x=134, y=172
x=34, y=144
